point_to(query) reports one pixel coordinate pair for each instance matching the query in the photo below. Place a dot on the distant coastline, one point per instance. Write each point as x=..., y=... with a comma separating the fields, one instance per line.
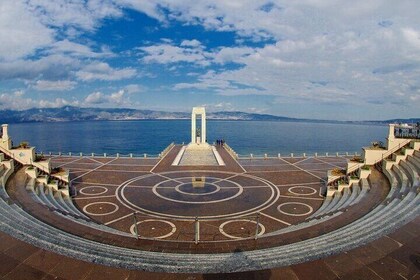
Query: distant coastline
x=74, y=114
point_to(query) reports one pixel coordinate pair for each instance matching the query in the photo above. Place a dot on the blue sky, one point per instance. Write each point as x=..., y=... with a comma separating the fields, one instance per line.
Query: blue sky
x=325, y=59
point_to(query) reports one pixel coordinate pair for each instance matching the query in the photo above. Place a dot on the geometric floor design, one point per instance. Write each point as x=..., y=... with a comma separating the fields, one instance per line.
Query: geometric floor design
x=244, y=199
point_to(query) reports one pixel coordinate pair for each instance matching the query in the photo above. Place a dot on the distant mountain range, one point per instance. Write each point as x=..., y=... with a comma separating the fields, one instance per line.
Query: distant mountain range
x=69, y=113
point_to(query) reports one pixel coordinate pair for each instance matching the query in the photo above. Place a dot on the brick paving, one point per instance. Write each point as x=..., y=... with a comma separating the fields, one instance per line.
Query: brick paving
x=389, y=259
x=284, y=191
x=280, y=198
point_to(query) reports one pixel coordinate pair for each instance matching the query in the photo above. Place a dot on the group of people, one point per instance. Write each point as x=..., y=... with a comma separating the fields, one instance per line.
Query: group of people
x=220, y=142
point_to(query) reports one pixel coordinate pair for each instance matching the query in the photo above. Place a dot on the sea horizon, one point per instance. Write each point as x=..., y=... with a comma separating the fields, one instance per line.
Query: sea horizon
x=139, y=137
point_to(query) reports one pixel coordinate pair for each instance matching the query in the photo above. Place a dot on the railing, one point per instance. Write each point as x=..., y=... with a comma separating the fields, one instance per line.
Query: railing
x=192, y=232
x=42, y=167
x=353, y=168
x=298, y=155
x=9, y=154
x=166, y=150
x=105, y=155
x=230, y=151
x=393, y=150
x=357, y=166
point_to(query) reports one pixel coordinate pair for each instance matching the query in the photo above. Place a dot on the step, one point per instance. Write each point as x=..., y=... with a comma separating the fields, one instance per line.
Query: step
x=391, y=211
x=404, y=169
x=35, y=196
x=304, y=224
x=42, y=196
x=324, y=205
x=355, y=191
x=412, y=172
x=394, y=184
x=3, y=193
x=36, y=222
x=47, y=233
x=362, y=194
x=391, y=177
x=30, y=185
x=415, y=162
x=405, y=184
x=70, y=204
x=344, y=198
x=334, y=202
x=327, y=243
x=51, y=199
x=63, y=204
x=368, y=224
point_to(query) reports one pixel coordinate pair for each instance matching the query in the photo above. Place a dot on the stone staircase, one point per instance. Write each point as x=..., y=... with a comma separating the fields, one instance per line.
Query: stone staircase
x=193, y=157
x=63, y=206
x=342, y=200
x=399, y=167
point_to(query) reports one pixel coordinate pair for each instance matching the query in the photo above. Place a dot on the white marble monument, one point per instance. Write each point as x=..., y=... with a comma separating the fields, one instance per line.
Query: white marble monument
x=200, y=137
x=198, y=152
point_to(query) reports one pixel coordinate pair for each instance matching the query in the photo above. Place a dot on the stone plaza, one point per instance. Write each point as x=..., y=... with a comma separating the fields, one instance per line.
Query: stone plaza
x=201, y=211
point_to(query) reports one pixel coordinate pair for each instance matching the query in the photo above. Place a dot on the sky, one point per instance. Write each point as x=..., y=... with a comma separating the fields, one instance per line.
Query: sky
x=321, y=59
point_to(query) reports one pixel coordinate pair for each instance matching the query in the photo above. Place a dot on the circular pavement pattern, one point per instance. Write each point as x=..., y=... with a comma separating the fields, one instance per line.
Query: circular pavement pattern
x=206, y=194
x=295, y=209
x=100, y=208
x=243, y=227
x=302, y=190
x=188, y=188
x=153, y=228
x=93, y=190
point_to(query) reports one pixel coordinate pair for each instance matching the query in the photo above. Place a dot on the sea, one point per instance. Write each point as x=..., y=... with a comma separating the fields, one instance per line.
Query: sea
x=150, y=137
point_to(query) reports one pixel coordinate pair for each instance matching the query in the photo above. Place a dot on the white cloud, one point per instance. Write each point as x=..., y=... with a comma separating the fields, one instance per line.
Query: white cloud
x=75, y=49
x=49, y=67
x=190, y=52
x=18, y=101
x=116, y=99
x=44, y=85
x=354, y=52
x=412, y=36
x=133, y=88
x=102, y=71
x=220, y=106
x=191, y=43
x=21, y=33
x=96, y=98
x=27, y=26
x=80, y=14
x=231, y=54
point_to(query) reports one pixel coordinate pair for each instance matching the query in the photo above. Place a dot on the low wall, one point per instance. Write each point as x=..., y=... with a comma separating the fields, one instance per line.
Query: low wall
x=371, y=156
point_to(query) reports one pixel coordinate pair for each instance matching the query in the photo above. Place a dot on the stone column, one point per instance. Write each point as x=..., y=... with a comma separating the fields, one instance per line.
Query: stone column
x=391, y=134
x=5, y=136
x=203, y=127
x=193, y=128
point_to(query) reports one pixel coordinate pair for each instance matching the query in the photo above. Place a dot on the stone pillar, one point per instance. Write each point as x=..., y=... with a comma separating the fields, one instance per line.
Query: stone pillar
x=391, y=134
x=198, y=111
x=203, y=127
x=193, y=128
x=6, y=141
x=5, y=136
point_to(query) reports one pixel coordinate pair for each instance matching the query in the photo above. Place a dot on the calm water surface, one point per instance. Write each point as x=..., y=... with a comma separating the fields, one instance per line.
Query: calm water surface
x=151, y=137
